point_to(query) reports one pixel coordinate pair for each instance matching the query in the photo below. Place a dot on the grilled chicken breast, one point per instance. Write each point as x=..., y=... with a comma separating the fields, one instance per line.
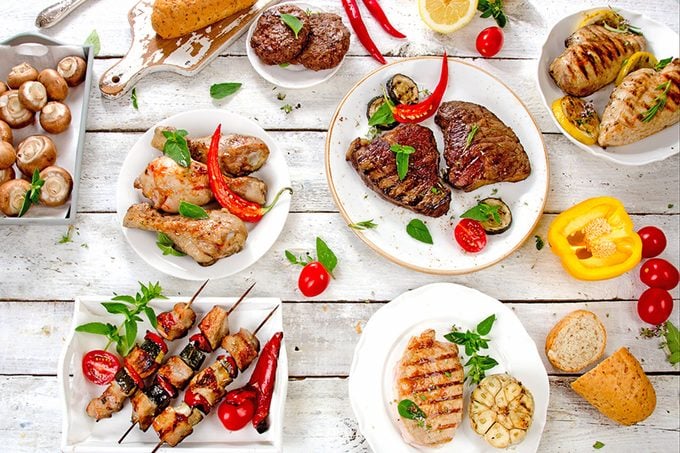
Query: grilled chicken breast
x=622, y=120
x=430, y=374
x=593, y=58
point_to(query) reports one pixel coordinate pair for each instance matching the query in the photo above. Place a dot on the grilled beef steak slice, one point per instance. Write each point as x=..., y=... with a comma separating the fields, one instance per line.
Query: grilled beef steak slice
x=421, y=190
x=493, y=155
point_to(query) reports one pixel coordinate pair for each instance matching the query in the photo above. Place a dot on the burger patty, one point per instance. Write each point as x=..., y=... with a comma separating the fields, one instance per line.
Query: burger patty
x=328, y=42
x=274, y=41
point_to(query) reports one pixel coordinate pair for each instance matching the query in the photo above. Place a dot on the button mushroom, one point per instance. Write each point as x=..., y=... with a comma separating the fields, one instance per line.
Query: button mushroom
x=57, y=187
x=56, y=86
x=35, y=152
x=55, y=117
x=6, y=175
x=12, y=194
x=20, y=74
x=7, y=155
x=3, y=87
x=6, y=134
x=33, y=95
x=13, y=112
x=72, y=69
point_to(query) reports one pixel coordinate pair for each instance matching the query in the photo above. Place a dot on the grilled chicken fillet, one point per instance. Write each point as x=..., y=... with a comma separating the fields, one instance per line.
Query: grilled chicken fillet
x=622, y=120
x=593, y=58
x=431, y=375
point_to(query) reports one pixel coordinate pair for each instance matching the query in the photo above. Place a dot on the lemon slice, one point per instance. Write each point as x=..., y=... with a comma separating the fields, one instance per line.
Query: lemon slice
x=602, y=16
x=636, y=61
x=446, y=16
x=577, y=118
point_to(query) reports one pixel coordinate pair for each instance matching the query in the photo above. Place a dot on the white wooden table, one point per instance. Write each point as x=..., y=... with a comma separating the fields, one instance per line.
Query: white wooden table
x=39, y=278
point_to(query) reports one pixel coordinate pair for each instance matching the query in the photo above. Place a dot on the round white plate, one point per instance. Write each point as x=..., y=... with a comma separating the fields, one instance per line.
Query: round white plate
x=357, y=202
x=661, y=41
x=438, y=306
x=261, y=235
x=293, y=76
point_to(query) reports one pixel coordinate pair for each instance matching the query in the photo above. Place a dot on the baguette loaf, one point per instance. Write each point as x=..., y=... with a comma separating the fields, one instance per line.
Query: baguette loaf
x=618, y=388
x=576, y=341
x=174, y=18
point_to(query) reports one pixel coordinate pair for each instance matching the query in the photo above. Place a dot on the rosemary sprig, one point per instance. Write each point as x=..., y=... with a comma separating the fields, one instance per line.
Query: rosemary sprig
x=659, y=102
x=471, y=136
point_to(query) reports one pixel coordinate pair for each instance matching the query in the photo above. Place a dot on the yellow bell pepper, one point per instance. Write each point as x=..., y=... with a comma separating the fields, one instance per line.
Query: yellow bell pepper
x=595, y=239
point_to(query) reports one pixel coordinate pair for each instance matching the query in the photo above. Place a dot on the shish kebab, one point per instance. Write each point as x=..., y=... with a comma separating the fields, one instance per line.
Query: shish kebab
x=175, y=373
x=208, y=387
x=143, y=361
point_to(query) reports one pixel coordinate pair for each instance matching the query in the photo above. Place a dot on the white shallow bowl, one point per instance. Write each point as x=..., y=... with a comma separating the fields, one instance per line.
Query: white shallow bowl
x=357, y=202
x=292, y=76
x=261, y=235
x=661, y=41
x=439, y=306
x=80, y=433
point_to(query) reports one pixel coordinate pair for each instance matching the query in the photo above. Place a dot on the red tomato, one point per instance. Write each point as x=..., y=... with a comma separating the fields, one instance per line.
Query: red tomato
x=655, y=306
x=490, y=41
x=100, y=366
x=235, y=413
x=653, y=241
x=470, y=235
x=659, y=273
x=314, y=279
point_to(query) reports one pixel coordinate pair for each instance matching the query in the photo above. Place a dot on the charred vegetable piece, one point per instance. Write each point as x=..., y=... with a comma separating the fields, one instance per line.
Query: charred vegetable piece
x=500, y=224
x=151, y=347
x=373, y=106
x=159, y=396
x=126, y=383
x=192, y=357
x=402, y=89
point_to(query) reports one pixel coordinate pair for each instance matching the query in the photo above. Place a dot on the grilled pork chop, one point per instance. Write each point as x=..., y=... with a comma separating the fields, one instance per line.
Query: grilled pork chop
x=593, y=58
x=622, y=120
x=430, y=374
x=421, y=190
x=494, y=154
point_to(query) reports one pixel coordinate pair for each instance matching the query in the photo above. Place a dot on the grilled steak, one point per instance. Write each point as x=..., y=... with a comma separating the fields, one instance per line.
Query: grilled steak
x=593, y=58
x=431, y=375
x=421, y=190
x=622, y=120
x=494, y=154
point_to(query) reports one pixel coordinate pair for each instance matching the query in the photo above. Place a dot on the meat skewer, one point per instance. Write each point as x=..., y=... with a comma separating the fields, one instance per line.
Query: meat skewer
x=208, y=387
x=174, y=375
x=143, y=361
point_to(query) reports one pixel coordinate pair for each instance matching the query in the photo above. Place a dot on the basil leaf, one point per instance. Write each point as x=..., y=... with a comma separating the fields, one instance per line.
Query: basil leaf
x=293, y=23
x=456, y=337
x=97, y=328
x=115, y=307
x=164, y=243
x=151, y=315
x=597, y=445
x=130, y=332
x=176, y=147
x=93, y=40
x=482, y=213
x=382, y=117
x=418, y=231
x=292, y=258
x=410, y=410
x=222, y=90
x=402, y=149
x=192, y=211
x=402, y=165
x=123, y=298
x=325, y=255
x=26, y=204
x=672, y=337
x=484, y=327
x=133, y=98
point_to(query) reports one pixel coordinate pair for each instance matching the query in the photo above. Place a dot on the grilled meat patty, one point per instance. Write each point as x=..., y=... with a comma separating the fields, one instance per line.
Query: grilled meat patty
x=493, y=155
x=622, y=120
x=328, y=42
x=431, y=375
x=421, y=190
x=274, y=41
x=593, y=58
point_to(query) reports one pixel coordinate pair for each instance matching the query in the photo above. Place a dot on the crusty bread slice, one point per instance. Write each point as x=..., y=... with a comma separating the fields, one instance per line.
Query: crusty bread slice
x=576, y=341
x=618, y=388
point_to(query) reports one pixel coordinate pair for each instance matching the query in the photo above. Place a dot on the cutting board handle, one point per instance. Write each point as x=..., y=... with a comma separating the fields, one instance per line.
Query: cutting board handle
x=121, y=77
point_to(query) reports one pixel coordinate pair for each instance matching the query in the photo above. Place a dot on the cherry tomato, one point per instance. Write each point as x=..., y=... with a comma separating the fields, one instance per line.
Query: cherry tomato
x=314, y=279
x=655, y=306
x=470, y=235
x=489, y=41
x=653, y=241
x=237, y=409
x=659, y=273
x=100, y=366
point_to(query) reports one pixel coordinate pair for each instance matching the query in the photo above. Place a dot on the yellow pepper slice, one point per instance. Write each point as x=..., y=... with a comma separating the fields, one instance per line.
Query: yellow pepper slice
x=578, y=118
x=595, y=239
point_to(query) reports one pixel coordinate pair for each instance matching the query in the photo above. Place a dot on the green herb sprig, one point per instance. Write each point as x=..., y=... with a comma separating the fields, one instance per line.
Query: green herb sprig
x=539, y=242
x=363, y=225
x=94, y=41
x=133, y=98
x=663, y=63
x=493, y=8
x=383, y=116
x=125, y=335
x=482, y=213
x=222, y=90
x=471, y=136
x=192, y=211
x=410, y=410
x=164, y=243
x=672, y=337
x=417, y=229
x=659, y=102
x=324, y=255
x=402, y=157
x=33, y=194
x=473, y=342
x=176, y=147
x=293, y=23
x=597, y=445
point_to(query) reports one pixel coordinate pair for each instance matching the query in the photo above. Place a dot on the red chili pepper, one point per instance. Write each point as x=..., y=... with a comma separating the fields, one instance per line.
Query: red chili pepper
x=201, y=342
x=263, y=379
x=241, y=208
x=354, y=15
x=374, y=7
x=156, y=339
x=415, y=113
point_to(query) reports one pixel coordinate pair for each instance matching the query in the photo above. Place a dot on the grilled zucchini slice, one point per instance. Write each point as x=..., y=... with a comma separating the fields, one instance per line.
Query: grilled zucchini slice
x=402, y=89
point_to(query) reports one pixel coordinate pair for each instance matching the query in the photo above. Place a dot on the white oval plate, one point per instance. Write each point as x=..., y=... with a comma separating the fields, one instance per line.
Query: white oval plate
x=438, y=306
x=293, y=76
x=661, y=41
x=357, y=202
x=261, y=235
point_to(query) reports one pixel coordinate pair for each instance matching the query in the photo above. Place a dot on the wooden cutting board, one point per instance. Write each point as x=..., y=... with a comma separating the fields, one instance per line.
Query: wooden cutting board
x=185, y=55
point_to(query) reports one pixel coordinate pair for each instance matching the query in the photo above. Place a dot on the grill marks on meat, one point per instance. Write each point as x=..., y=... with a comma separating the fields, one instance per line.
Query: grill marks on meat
x=622, y=118
x=108, y=403
x=214, y=326
x=243, y=347
x=494, y=154
x=431, y=375
x=176, y=323
x=593, y=58
x=377, y=167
